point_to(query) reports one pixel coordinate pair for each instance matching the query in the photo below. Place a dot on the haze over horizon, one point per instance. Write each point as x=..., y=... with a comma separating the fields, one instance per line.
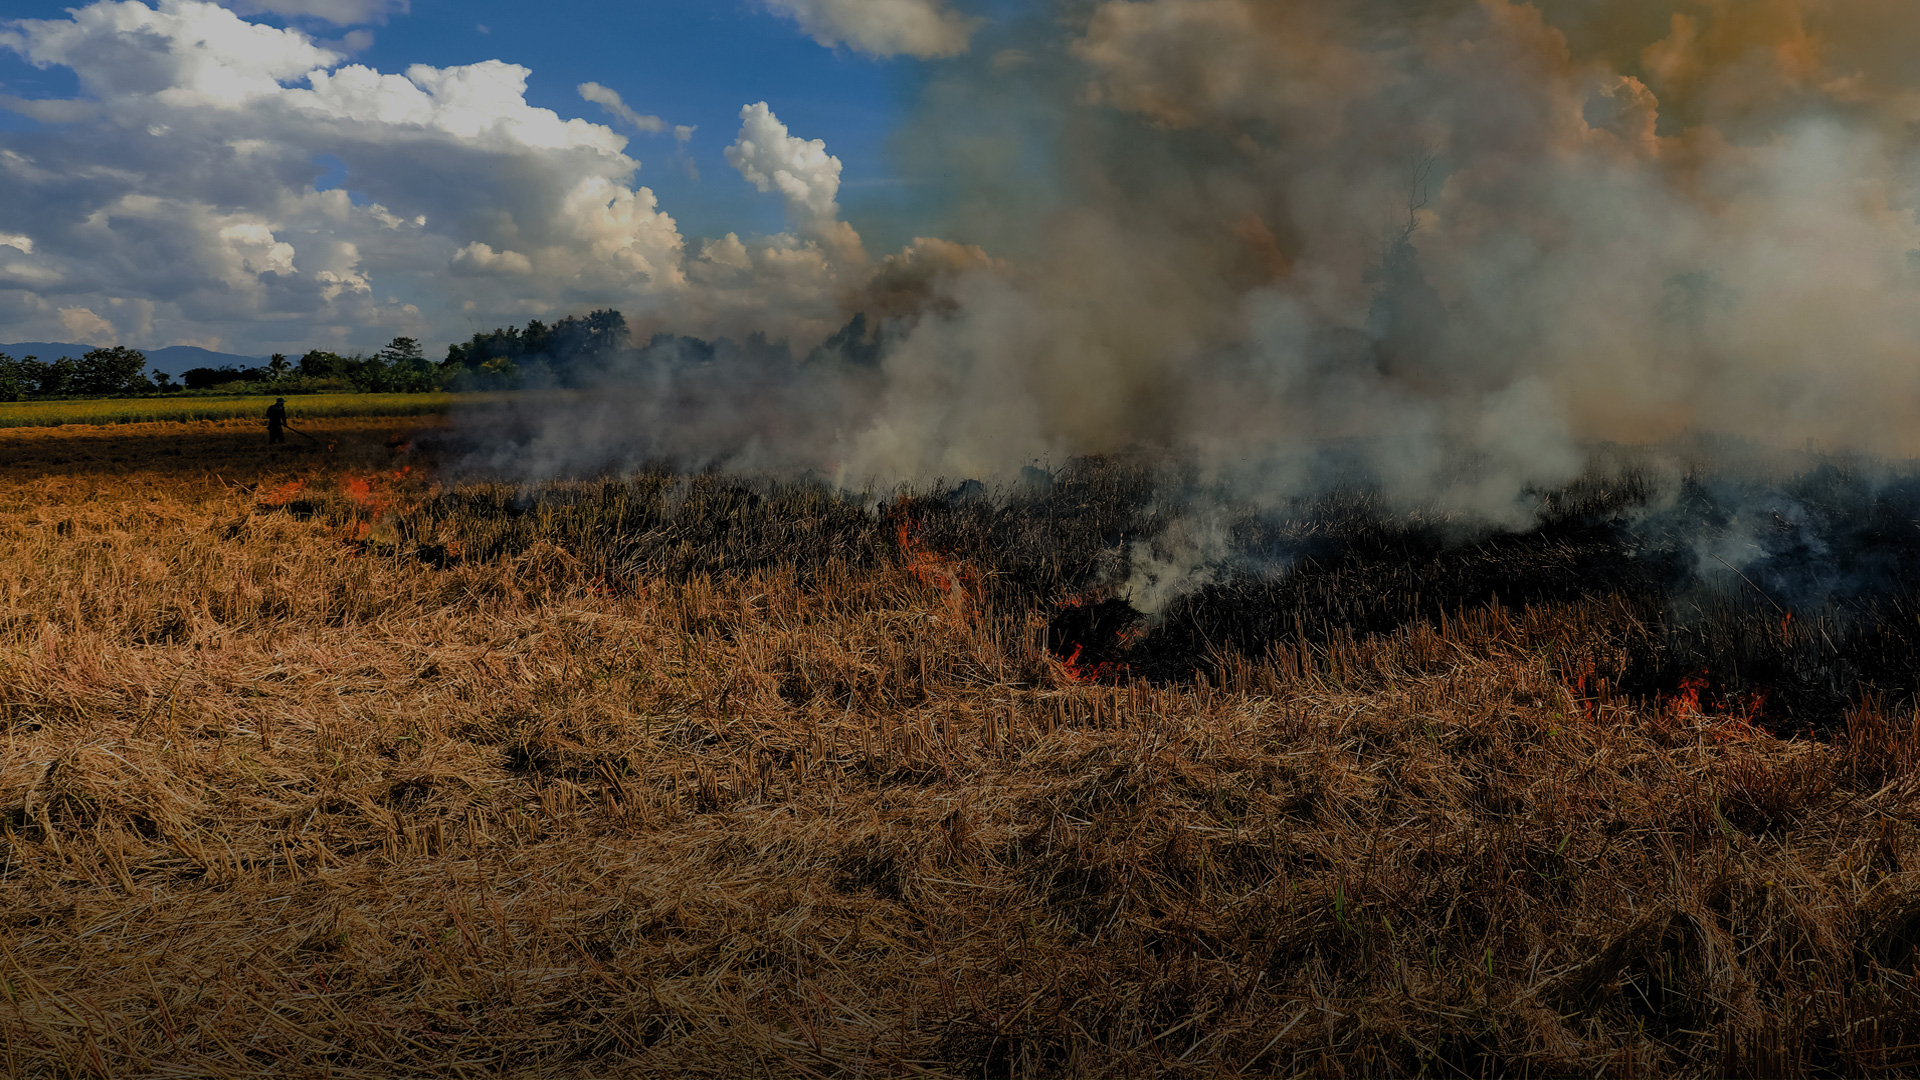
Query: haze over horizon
x=1470, y=230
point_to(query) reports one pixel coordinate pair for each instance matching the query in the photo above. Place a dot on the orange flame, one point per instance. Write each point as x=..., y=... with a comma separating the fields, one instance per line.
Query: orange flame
x=374, y=496
x=1074, y=671
x=1751, y=709
x=1576, y=687
x=943, y=572
x=283, y=494
x=1739, y=721
x=359, y=489
x=1687, y=701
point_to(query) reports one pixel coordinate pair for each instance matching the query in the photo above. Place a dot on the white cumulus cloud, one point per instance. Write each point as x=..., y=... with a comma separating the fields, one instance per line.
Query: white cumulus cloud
x=87, y=327
x=800, y=170
x=609, y=99
x=483, y=103
x=183, y=180
x=478, y=259
x=254, y=250
x=175, y=198
x=808, y=179
x=339, y=12
x=184, y=54
x=922, y=28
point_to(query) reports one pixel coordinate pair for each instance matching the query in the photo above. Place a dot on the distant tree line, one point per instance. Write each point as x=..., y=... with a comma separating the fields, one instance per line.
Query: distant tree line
x=114, y=372
x=570, y=352
x=597, y=349
x=578, y=351
x=399, y=368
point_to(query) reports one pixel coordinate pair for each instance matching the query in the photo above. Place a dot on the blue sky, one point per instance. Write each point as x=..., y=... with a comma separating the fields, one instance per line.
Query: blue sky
x=689, y=62
x=693, y=62
x=162, y=161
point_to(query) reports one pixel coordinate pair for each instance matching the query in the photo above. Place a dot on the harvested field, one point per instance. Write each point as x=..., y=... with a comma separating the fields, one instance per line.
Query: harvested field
x=315, y=765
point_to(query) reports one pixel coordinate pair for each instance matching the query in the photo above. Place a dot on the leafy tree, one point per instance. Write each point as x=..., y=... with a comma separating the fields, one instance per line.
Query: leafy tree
x=680, y=350
x=58, y=379
x=511, y=356
x=570, y=351
x=17, y=378
x=208, y=378
x=537, y=338
x=118, y=370
x=320, y=364
x=401, y=367
x=163, y=381
x=203, y=378
x=402, y=352
x=578, y=344
x=279, y=365
x=507, y=344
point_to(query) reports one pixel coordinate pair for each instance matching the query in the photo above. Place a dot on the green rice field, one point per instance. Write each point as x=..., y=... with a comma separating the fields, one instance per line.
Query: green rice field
x=148, y=410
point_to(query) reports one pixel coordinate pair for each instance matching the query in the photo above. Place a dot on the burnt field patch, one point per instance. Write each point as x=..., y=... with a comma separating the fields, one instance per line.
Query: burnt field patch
x=352, y=771
x=1784, y=598
x=1784, y=602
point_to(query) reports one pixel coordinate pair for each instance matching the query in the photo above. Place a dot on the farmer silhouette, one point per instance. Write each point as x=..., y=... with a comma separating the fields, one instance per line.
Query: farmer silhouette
x=277, y=421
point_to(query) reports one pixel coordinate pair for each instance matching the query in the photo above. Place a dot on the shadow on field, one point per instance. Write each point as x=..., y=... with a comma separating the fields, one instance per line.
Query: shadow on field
x=235, y=451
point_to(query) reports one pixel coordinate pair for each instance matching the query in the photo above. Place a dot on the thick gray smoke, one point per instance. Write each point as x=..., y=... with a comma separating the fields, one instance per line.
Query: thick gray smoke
x=1443, y=246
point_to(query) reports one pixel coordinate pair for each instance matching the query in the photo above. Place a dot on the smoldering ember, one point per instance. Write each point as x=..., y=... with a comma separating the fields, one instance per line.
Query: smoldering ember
x=948, y=538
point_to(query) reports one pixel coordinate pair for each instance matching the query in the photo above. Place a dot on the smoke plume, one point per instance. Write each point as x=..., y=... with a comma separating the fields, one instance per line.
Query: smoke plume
x=923, y=28
x=1444, y=247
